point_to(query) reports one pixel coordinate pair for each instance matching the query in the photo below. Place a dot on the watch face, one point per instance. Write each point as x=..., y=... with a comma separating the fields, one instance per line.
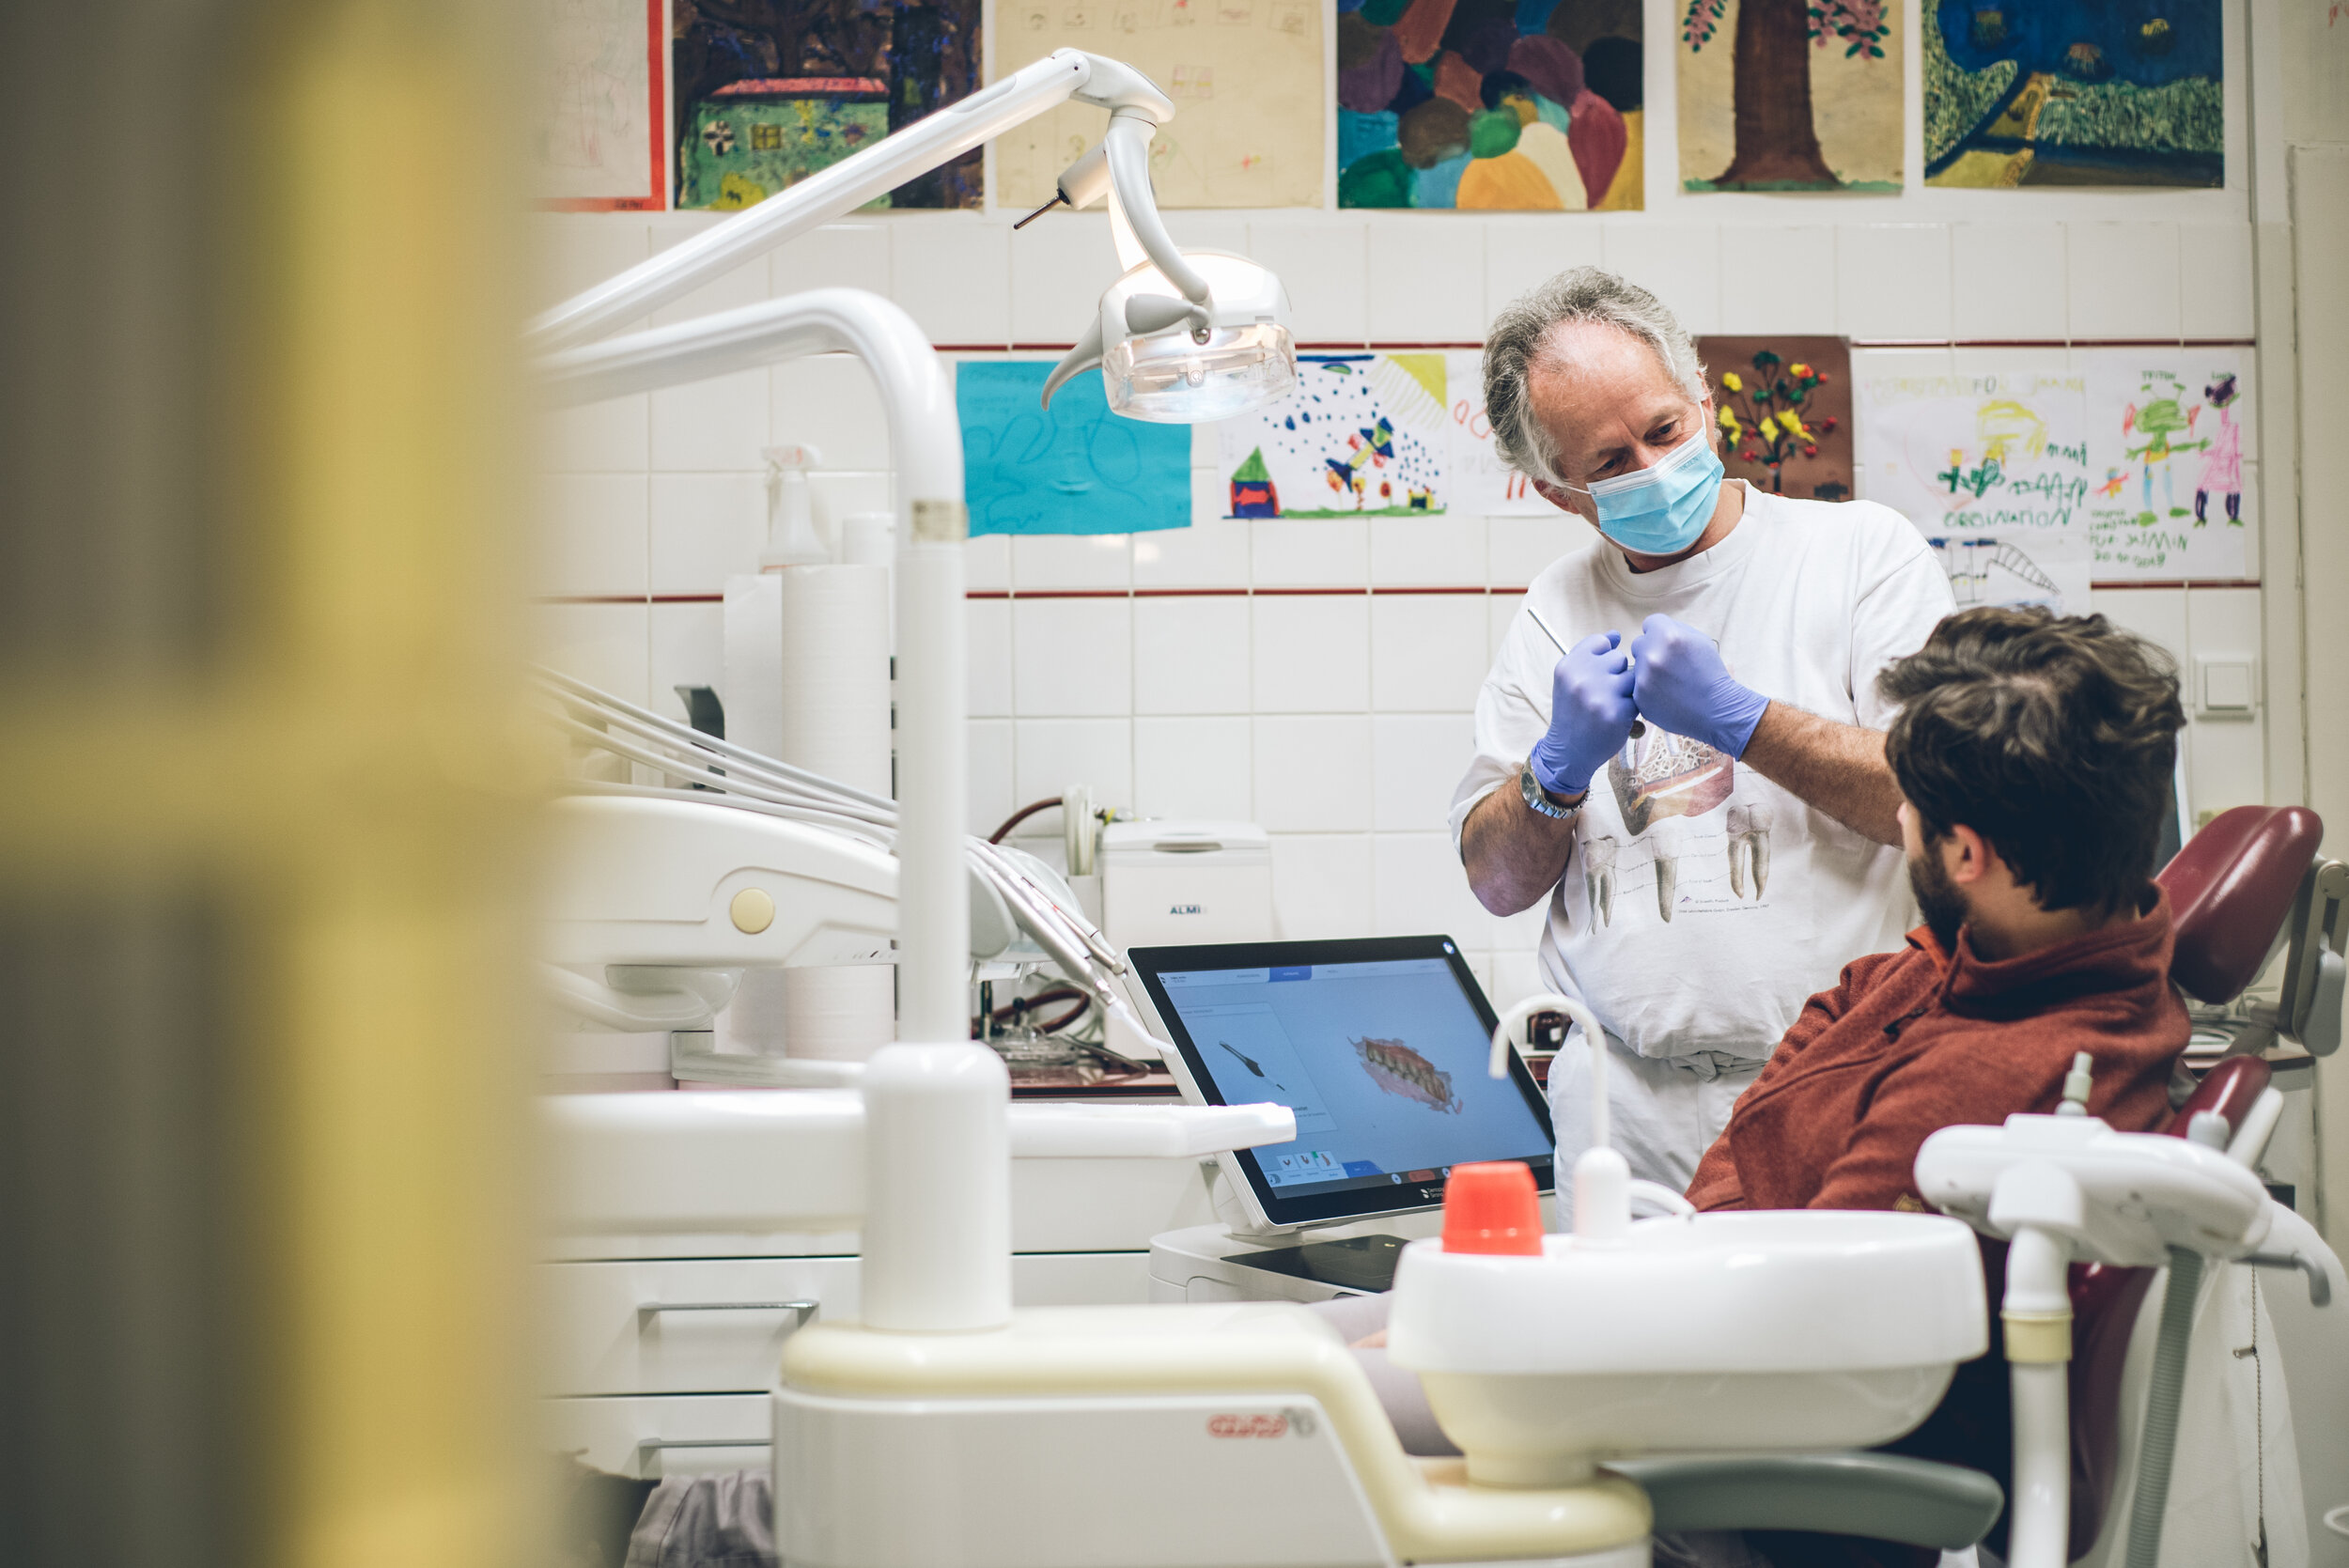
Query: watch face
x=1530, y=787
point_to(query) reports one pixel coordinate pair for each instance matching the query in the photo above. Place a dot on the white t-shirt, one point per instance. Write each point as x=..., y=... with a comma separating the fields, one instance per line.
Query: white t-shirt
x=1703, y=903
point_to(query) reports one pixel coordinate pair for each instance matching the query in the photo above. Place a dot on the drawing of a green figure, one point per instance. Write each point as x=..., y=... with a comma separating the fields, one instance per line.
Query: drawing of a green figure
x=2158, y=420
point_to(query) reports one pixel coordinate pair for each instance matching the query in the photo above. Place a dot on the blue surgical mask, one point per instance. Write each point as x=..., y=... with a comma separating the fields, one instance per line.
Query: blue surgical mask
x=1662, y=508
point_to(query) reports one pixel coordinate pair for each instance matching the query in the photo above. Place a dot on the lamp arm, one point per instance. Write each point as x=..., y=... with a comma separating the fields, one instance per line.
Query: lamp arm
x=926, y=435
x=830, y=193
x=1134, y=220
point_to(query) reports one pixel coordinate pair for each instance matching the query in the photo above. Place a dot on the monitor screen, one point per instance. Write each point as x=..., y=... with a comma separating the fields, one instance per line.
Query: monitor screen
x=1379, y=1046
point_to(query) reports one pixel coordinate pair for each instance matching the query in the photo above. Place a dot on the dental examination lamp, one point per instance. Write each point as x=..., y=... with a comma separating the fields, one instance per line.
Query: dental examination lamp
x=1180, y=337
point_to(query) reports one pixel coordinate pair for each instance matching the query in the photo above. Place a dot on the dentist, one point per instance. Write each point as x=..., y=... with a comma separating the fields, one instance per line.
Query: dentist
x=1697, y=786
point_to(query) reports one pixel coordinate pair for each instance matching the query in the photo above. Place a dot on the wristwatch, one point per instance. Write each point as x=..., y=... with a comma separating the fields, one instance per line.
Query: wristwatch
x=1538, y=798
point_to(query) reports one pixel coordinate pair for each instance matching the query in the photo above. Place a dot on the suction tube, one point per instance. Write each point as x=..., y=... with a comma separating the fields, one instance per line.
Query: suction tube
x=2161, y=1408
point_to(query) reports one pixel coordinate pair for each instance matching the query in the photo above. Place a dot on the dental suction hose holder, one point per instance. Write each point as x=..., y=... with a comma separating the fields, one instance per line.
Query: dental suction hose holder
x=1604, y=1187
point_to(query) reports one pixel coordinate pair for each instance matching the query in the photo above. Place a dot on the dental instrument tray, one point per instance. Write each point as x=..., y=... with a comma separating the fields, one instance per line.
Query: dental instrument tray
x=1380, y=1047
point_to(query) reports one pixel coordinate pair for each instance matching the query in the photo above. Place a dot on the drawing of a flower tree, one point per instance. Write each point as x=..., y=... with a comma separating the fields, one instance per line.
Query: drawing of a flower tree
x=1778, y=141
x=1764, y=414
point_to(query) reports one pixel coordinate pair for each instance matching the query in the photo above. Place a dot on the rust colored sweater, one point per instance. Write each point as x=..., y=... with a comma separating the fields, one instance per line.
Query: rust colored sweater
x=1908, y=1042
x=1911, y=1042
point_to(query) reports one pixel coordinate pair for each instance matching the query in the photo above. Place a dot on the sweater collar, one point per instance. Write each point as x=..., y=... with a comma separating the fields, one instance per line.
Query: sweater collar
x=2120, y=958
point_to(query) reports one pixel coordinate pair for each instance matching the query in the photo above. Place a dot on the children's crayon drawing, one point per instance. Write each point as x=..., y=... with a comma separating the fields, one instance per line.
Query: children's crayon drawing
x=1361, y=435
x=2167, y=494
x=1993, y=470
x=1483, y=485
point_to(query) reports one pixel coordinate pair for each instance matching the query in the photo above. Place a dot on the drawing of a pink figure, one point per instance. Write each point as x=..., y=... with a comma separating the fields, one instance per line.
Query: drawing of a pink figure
x=2222, y=465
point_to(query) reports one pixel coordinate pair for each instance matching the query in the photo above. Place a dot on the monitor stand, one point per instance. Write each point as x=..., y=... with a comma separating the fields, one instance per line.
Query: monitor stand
x=1359, y=1264
x=1213, y=1263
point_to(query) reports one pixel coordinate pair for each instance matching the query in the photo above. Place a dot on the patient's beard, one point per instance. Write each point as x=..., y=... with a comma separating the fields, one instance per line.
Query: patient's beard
x=1937, y=898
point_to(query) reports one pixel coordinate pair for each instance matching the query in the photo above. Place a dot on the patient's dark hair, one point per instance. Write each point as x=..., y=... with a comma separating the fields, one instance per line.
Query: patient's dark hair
x=2053, y=736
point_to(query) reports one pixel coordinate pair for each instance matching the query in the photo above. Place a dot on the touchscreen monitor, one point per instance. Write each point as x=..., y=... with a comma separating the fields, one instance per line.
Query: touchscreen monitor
x=1378, y=1044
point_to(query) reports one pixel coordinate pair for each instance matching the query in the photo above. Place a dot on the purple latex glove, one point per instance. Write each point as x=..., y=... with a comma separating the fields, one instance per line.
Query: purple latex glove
x=1589, y=714
x=1681, y=683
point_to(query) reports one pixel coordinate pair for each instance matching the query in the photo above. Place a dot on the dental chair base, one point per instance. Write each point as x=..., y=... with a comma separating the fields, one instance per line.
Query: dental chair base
x=1139, y=1438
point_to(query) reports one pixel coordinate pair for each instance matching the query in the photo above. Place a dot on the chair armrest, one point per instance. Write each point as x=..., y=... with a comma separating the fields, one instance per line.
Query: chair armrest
x=1882, y=1495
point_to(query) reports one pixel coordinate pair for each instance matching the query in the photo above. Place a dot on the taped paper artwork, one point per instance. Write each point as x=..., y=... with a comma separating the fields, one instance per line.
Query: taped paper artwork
x=772, y=91
x=2074, y=92
x=1783, y=406
x=599, y=130
x=1245, y=75
x=2165, y=456
x=1074, y=468
x=1790, y=95
x=1493, y=105
x=1482, y=484
x=1361, y=435
x=1993, y=470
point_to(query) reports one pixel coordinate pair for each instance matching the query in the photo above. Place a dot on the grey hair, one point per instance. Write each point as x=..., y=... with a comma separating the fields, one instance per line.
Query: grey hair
x=1520, y=339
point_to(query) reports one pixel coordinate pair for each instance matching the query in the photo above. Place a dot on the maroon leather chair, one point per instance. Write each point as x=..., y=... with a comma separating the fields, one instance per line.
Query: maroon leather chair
x=2230, y=890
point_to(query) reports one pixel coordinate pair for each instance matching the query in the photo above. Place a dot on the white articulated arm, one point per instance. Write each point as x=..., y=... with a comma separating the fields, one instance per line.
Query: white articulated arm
x=926, y=435
x=826, y=194
x=834, y=192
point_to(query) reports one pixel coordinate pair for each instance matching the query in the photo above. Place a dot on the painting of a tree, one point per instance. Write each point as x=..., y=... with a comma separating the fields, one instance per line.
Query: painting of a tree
x=1772, y=42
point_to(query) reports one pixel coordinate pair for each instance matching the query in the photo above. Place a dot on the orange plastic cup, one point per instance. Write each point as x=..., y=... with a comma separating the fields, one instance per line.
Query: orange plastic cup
x=1492, y=1207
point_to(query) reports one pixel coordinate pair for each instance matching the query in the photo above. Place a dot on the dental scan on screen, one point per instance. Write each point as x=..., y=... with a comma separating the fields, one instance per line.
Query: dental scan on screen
x=1380, y=1054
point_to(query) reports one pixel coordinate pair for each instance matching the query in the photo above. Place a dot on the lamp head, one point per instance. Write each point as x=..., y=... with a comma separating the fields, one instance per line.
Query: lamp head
x=1167, y=360
x=1174, y=359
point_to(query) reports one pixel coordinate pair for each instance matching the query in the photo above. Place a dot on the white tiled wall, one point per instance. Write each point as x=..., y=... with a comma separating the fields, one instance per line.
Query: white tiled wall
x=1298, y=673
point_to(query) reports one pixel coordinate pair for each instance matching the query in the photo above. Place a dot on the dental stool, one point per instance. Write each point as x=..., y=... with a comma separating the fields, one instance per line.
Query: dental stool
x=2232, y=890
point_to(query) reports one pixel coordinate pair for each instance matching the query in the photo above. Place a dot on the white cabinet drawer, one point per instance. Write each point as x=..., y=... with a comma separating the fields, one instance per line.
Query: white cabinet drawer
x=717, y=1326
x=673, y=1434
x=670, y=1326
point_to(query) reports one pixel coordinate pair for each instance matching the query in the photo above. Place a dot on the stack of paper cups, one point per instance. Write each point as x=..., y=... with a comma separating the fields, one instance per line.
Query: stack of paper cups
x=835, y=722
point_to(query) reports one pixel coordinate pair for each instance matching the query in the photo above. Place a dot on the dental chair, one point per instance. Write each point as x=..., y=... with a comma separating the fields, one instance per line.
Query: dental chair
x=2248, y=877
x=1173, y=1436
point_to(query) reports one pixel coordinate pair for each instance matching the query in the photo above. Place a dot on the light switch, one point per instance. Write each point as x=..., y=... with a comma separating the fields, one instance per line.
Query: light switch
x=2230, y=685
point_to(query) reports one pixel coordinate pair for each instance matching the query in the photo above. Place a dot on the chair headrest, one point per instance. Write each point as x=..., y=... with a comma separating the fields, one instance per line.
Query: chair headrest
x=2230, y=890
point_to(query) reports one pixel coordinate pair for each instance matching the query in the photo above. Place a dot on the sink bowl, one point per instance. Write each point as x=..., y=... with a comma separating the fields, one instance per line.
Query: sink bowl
x=1772, y=1329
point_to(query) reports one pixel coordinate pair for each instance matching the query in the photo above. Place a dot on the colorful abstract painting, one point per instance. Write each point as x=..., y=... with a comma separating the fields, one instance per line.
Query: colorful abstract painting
x=1361, y=435
x=2074, y=92
x=1790, y=95
x=1993, y=471
x=599, y=128
x=2167, y=444
x=1491, y=105
x=1784, y=404
x=1251, y=104
x=1074, y=468
x=769, y=91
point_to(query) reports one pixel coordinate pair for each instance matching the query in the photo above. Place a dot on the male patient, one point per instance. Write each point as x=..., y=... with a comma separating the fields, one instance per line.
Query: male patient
x=2034, y=756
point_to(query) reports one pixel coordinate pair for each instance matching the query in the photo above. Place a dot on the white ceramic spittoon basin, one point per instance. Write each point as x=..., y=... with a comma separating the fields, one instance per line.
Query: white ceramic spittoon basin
x=1767, y=1330
x=1722, y=1331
